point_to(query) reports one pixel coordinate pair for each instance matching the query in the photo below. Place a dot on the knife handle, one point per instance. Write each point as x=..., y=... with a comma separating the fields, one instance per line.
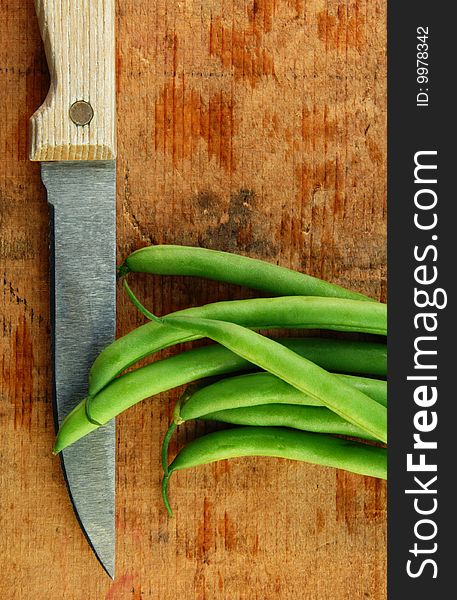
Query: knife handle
x=77, y=119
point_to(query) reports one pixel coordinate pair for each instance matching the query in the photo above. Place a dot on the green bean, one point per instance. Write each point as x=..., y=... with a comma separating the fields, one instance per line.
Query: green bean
x=231, y=268
x=307, y=418
x=130, y=388
x=264, y=389
x=264, y=313
x=354, y=406
x=261, y=388
x=283, y=443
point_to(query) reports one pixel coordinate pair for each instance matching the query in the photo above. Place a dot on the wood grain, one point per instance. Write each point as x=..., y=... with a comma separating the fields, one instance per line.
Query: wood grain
x=80, y=47
x=256, y=126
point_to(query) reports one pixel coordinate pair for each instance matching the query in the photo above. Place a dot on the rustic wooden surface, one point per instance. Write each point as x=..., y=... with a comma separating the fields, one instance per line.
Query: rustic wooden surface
x=247, y=125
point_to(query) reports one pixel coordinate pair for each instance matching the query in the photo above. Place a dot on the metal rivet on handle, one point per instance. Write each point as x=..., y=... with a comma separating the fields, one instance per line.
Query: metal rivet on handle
x=81, y=113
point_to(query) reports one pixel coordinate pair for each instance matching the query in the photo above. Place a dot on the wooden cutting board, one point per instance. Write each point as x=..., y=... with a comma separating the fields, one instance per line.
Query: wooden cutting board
x=256, y=126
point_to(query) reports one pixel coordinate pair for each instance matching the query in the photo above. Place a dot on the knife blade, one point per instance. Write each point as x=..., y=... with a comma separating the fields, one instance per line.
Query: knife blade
x=73, y=135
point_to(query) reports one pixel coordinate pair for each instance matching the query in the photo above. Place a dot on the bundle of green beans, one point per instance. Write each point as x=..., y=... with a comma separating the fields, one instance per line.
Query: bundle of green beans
x=307, y=390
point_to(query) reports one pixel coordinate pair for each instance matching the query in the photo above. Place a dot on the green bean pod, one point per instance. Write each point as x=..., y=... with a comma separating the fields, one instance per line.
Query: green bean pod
x=306, y=418
x=261, y=388
x=230, y=268
x=245, y=392
x=351, y=404
x=282, y=443
x=160, y=376
x=262, y=313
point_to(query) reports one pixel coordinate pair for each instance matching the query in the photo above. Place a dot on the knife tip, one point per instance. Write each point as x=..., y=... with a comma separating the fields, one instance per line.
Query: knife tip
x=109, y=572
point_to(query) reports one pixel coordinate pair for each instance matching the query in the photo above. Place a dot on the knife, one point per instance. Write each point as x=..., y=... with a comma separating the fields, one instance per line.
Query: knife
x=73, y=135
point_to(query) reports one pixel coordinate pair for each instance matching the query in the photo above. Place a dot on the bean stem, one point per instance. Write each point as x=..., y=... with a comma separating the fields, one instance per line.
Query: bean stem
x=137, y=304
x=165, y=444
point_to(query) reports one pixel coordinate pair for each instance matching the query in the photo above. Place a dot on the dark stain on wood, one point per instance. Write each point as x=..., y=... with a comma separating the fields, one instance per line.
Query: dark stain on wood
x=18, y=249
x=120, y=587
x=19, y=380
x=239, y=228
x=205, y=536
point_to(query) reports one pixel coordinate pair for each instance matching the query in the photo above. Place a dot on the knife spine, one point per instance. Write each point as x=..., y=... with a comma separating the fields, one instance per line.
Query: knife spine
x=79, y=39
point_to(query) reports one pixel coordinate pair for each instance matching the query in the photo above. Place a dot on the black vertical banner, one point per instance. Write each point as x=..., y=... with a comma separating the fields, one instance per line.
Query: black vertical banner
x=422, y=257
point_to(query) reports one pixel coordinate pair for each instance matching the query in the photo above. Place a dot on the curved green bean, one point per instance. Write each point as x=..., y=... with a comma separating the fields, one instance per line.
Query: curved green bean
x=264, y=313
x=230, y=268
x=282, y=443
x=160, y=376
x=244, y=392
x=295, y=416
x=351, y=404
x=261, y=388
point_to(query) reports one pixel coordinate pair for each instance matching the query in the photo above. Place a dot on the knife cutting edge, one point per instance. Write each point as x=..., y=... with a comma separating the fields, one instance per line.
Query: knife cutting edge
x=73, y=135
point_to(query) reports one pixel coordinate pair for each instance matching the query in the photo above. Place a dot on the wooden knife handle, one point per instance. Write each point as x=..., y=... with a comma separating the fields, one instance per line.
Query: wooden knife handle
x=77, y=119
